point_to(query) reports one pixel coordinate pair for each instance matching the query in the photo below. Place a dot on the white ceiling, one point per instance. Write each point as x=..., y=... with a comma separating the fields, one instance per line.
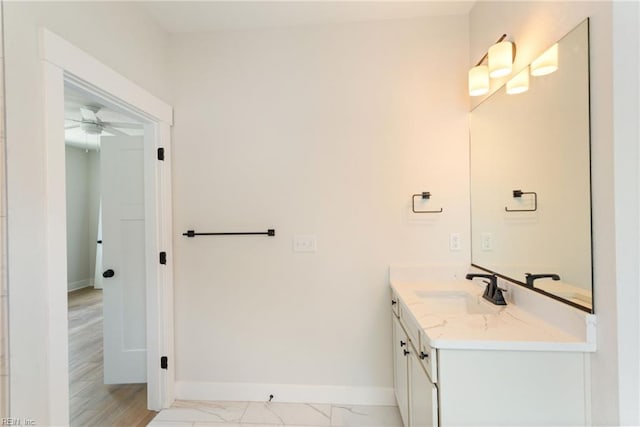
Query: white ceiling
x=203, y=16
x=213, y=15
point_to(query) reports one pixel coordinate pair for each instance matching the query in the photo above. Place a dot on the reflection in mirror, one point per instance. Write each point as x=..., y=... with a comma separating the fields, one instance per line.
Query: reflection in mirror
x=530, y=178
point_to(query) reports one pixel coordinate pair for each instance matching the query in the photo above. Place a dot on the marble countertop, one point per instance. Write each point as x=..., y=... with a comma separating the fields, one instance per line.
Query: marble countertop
x=494, y=328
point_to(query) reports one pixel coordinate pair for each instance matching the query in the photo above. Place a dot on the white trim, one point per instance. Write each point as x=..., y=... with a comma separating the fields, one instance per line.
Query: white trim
x=62, y=62
x=68, y=57
x=637, y=168
x=79, y=284
x=58, y=386
x=165, y=296
x=292, y=393
x=153, y=272
x=587, y=390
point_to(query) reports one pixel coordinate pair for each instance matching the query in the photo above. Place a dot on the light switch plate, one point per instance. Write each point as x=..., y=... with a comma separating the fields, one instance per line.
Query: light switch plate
x=304, y=243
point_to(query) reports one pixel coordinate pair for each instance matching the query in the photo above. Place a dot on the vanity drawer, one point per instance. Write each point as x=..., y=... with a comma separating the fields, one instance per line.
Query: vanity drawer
x=395, y=303
x=411, y=326
x=428, y=357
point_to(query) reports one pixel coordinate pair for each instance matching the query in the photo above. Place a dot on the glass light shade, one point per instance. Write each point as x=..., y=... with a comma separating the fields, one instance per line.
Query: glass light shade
x=479, y=80
x=500, y=59
x=546, y=63
x=519, y=83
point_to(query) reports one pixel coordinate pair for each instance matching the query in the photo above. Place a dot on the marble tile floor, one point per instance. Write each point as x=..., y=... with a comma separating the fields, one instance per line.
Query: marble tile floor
x=271, y=414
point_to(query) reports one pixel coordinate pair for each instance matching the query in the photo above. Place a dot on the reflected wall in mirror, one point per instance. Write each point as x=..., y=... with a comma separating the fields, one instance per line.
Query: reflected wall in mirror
x=530, y=179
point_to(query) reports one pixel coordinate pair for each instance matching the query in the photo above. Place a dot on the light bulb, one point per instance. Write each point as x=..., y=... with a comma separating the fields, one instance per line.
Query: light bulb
x=479, y=80
x=500, y=59
x=519, y=83
x=546, y=63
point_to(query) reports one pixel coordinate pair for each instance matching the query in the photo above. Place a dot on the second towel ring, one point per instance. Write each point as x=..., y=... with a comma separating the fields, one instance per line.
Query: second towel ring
x=518, y=194
x=425, y=195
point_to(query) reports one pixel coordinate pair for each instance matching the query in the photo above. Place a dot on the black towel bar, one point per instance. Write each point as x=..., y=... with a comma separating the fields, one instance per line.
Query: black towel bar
x=269, y=232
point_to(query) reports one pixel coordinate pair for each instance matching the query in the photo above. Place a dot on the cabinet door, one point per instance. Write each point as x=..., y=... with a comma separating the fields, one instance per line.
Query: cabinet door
x=423, y=399
x=401, y=370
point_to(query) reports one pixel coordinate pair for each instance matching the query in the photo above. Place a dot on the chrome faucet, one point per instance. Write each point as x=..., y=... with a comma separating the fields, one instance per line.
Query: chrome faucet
x=532, y=277
x=492, y=292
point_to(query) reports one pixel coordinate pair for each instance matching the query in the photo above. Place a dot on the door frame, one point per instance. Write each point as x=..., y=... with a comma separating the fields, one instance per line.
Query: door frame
x=65, y=64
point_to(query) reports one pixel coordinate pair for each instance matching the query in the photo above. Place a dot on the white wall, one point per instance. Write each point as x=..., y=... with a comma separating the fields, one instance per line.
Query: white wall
x=326, y=131
x=626, y=131
x=125, y=38
x=4, y=297
x=94, y=209
x=77, y=170
x=83, y=195
x=535, y=25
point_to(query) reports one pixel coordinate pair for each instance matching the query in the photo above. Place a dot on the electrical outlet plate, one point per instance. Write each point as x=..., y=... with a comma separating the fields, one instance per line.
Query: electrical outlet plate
x=454, y=242
x=486, y=242
x=304, y=243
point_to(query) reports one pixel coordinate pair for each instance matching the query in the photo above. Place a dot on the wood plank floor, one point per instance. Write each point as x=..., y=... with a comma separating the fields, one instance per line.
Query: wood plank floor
x=92, y=403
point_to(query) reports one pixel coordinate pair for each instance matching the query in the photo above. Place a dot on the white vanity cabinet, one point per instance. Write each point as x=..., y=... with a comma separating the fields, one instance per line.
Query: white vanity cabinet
x=514, y=388
x=423, y=395
x=462, y=383
x=401, y=369
x=415, y=392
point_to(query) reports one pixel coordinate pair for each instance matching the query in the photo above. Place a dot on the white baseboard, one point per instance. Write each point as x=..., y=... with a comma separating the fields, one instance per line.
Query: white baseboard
x=79, y=284
x=291, y=393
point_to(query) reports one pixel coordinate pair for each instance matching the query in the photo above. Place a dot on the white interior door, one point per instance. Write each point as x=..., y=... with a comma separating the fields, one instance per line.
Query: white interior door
x=123, y=252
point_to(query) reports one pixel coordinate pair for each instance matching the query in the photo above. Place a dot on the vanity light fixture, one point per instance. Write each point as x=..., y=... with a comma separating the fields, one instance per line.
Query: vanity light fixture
x=499, y=58
x=479, y=80
x=519, y=83
x=546, y=63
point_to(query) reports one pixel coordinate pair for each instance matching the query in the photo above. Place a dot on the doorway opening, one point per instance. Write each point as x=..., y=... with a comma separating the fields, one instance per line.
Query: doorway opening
x=105, y=208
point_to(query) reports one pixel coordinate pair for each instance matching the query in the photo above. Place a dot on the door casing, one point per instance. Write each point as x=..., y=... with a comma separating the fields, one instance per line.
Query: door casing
x=65, y=64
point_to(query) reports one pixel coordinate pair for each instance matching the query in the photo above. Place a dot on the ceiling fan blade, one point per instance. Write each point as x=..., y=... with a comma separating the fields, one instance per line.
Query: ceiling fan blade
x=88, y=114
x=115, y=131
x=123, y=125
x=71, y=126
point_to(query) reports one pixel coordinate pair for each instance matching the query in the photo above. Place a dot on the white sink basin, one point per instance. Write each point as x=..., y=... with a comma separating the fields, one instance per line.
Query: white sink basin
x=438, y=302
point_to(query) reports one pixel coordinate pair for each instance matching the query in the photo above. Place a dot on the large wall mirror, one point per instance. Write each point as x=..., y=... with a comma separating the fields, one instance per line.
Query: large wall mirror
x=530, y=179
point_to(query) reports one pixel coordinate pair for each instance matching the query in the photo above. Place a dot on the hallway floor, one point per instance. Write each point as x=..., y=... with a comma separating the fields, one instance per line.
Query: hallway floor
x=263, y=414
x=90, y=401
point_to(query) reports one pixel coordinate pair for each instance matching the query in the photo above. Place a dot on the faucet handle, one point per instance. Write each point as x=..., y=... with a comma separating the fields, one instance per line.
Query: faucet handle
x=498, y=297
x=489, y=283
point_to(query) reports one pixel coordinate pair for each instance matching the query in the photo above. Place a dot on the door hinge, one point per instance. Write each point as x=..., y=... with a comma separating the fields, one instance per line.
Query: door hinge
x=164, y=362
x=160, y=153
x=163, y=257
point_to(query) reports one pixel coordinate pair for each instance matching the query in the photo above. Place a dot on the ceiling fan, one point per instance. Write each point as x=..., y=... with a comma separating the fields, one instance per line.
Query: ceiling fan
x=94, y=125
